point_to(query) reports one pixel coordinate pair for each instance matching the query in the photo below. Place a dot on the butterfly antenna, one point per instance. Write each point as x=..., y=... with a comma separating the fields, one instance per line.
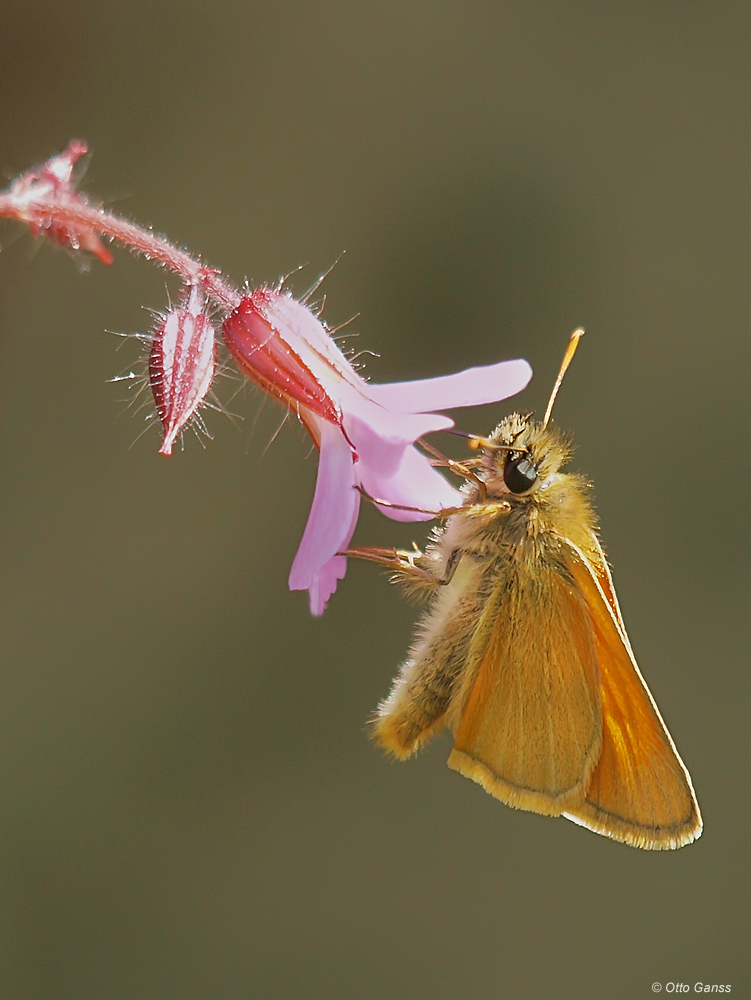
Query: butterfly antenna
x=567, y=358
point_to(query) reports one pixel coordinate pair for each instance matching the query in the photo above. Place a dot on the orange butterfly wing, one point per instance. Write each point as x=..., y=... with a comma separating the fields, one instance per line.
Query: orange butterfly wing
x=530, y=729
x=640, y=792
x=557, y=718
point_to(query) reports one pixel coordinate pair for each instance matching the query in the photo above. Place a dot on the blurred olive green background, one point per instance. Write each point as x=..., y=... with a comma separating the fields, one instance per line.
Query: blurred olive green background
x=189, y=804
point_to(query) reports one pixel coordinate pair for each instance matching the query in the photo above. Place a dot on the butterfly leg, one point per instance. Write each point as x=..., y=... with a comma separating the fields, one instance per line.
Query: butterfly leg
x=443, y=512
x=482, y=509
x=462, y=469
x=411, y=567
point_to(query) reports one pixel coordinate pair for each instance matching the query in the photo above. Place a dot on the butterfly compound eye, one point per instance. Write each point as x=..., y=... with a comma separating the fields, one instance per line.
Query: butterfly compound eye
x=519, y=474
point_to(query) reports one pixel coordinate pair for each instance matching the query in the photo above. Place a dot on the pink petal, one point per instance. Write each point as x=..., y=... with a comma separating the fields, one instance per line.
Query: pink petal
x=331, y=521
x=468, y=388
x=414, y=484
x=403, y=425
x=325, y=579
x=324, y=582
x=380, y=439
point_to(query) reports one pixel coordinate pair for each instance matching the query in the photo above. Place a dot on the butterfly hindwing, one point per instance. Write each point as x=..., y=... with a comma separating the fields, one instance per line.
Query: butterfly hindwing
x=557, y=718
x=530, y=728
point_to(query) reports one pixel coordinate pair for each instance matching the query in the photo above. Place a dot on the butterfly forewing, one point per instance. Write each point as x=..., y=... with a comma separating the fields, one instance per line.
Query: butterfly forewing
x=640, y=792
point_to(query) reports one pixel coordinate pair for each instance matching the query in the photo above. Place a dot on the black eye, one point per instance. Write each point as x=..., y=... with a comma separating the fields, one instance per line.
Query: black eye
x=519, y=474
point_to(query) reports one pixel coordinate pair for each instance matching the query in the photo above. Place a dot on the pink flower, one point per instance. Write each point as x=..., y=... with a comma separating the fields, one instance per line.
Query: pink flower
x=365, y=433
x=181, y=365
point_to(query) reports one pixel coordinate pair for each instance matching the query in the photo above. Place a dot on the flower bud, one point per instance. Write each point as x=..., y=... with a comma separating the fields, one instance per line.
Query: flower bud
x=266, y=336
x=54, y=181
x=181, y=365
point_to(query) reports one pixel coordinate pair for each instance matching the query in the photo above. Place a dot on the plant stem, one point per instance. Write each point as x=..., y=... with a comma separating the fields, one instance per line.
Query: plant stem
x=80, y=216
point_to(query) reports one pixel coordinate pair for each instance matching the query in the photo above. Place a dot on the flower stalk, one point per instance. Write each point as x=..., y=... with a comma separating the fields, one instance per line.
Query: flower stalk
x=46, y=199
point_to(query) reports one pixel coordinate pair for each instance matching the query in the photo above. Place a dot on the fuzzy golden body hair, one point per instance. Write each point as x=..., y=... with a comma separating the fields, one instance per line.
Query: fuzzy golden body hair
x=522, y=654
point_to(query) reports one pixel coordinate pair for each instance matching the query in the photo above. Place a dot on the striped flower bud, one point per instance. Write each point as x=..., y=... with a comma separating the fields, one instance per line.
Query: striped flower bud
x=181, y=365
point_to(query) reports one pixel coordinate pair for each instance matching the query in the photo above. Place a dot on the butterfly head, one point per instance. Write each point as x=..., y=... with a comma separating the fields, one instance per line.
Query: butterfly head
x=524, y=455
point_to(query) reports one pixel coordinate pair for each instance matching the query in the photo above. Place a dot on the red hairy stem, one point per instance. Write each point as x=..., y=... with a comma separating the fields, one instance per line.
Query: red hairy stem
x=143, y=241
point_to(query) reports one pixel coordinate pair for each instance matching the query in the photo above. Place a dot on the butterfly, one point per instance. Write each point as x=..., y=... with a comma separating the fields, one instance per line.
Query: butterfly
x=523, y=653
